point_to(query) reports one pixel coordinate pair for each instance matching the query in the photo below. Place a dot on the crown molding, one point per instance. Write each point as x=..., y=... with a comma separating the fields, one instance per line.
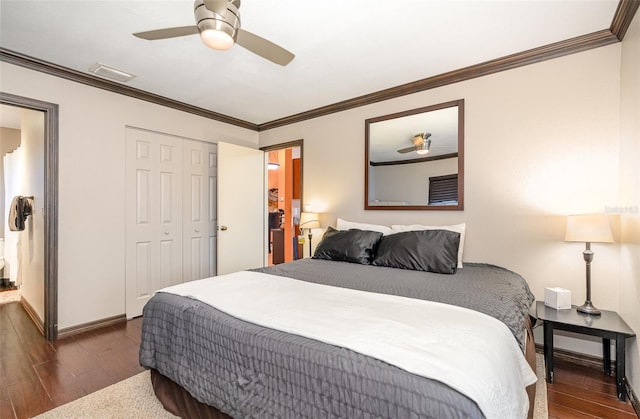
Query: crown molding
x=46, y=67
x=620, y=23
x=532, y=56
x=622, y=18
x=625, y=12
x=418, y=160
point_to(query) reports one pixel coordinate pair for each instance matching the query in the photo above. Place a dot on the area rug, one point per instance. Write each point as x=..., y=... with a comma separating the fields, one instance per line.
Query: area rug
x=11, y=296
x=541, y=408
x=134, y=398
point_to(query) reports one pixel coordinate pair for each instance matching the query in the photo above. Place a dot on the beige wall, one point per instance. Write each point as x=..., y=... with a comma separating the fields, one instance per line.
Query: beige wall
x=629, y=295
x=91, y=182
x=541, y=142
x=32, y=184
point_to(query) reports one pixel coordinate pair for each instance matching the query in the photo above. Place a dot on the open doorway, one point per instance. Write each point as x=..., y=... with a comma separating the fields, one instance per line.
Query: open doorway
x=41, y=118
x=284, y=201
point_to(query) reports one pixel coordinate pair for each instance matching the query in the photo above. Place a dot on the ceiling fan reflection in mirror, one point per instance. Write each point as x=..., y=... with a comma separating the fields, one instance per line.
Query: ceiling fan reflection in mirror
x=421, y=144
x=218, y=23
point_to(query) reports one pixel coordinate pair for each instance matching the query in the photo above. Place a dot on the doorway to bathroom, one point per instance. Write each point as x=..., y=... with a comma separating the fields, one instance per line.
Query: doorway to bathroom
x=28, y=210
x=284, y=200
x=10, y=179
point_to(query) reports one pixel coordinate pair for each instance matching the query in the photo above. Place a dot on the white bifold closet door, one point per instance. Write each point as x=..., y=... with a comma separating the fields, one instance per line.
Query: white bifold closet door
x=199, y=210
x=170, y=213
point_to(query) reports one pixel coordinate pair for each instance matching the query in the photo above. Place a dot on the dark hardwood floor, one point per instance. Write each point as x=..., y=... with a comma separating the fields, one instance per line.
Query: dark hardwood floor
x=584, y=392
x=36, y=375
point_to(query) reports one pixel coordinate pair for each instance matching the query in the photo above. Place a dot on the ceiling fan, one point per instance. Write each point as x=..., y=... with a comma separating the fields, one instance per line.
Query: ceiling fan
x=421, y=144
x=218, y=23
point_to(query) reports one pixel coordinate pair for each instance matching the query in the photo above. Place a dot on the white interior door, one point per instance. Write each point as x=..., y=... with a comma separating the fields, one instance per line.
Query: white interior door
x=153, y=239
x=199, y=209
x=241, y=208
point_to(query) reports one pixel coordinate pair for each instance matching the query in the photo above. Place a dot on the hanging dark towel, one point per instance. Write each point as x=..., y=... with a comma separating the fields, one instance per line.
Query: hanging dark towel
x=20, y=209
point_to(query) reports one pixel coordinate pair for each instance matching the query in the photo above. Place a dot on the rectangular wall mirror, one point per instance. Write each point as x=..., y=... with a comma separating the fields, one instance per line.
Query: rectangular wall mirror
x=414, y=160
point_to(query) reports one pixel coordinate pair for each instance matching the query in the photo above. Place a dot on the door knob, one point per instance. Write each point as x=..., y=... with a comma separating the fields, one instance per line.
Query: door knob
x=166, y=233
x=223, y=228
x=197, y=230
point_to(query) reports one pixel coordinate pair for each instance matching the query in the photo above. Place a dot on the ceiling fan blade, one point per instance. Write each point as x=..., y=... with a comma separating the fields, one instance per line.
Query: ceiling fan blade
x=167, y=33
x=217, y=6
x=406, y=150
x=262, y=47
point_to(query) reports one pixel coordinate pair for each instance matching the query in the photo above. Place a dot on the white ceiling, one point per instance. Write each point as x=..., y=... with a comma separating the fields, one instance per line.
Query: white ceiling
x=343, y=49
x=388, y=136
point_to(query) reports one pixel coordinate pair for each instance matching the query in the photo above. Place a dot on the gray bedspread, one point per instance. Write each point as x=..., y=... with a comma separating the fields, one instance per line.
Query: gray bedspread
x=488, y=289
x=249, y=371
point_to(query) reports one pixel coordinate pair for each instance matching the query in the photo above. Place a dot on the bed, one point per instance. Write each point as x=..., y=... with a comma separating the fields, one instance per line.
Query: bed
x=209, y=360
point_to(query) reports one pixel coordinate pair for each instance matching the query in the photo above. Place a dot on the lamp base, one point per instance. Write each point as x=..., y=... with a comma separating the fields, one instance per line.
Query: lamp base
x=588, y=308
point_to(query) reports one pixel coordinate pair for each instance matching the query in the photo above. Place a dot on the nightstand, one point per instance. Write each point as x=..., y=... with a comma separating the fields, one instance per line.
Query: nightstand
x=608, y=326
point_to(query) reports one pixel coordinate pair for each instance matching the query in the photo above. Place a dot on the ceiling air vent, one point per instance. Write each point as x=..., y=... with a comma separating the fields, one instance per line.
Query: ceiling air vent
x=110, y=73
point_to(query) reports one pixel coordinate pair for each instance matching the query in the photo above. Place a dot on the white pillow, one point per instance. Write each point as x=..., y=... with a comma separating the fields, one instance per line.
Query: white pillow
x=458, y=228
x=348, y=225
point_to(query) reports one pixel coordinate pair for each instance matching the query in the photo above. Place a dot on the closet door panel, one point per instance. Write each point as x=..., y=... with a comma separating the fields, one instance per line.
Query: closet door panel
x=196, y=198
x=140, y=237
x=170, y=267
x=153, y=239
x=212, y=209
x=199, y=223
x=143, y=270
x=143, y=181
x=170, y=233
x=171, y=201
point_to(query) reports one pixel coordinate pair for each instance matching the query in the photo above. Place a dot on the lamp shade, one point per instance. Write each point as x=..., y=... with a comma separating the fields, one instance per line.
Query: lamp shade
x=274, y=160
x=588, y=228
x=309, y=220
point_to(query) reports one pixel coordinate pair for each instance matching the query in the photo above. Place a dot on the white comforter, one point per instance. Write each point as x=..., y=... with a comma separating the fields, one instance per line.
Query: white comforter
x=467, y=350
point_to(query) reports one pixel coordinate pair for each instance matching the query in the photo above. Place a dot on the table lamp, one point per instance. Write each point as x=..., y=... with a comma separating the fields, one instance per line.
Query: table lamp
x=309, y=220
x=589, y=228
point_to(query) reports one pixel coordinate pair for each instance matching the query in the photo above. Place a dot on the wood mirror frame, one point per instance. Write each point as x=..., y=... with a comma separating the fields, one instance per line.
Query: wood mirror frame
x=389, y=133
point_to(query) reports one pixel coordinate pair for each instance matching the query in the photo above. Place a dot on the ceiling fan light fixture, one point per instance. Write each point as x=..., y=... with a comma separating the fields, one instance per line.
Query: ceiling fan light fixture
x=424, y=147
x=217, y=31
x=218, y=24
x=217, y=39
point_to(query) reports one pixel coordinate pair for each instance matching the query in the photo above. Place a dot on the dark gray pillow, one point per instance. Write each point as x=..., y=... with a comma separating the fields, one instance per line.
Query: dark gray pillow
x=355, y=246
x=426, y=250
